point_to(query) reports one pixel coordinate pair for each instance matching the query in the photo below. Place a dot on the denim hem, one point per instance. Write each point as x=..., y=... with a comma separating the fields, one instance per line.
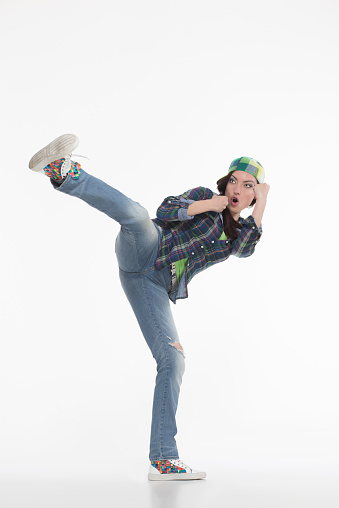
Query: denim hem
x=61, y=185
x=166, y=458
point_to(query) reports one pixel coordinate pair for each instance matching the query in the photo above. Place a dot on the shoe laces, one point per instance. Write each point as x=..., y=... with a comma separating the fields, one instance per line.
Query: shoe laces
x=179, y=463
x=66, y=165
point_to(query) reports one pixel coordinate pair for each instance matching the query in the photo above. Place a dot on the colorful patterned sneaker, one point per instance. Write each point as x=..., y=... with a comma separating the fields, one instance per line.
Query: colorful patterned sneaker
x=59, y=169
x=54, y=159
x=172, y=469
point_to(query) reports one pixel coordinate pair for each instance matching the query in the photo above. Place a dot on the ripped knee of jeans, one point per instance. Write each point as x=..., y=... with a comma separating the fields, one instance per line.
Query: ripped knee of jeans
x=177, y=346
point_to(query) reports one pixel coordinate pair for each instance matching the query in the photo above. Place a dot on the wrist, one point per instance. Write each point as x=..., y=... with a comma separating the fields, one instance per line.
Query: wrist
x=261, y=200
x=198, y=207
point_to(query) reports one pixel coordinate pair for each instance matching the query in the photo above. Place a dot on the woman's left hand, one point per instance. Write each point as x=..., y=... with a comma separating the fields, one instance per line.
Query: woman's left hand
x=261, y=191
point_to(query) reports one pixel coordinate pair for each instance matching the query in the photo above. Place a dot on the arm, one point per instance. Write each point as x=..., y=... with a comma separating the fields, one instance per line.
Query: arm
x=248, y=238
x=214, y=204
x=261, y=191
x=174, y=208
x=251, y=231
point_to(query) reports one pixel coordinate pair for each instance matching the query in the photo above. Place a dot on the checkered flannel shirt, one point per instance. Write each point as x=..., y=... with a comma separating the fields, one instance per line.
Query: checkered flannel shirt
x=197, y=237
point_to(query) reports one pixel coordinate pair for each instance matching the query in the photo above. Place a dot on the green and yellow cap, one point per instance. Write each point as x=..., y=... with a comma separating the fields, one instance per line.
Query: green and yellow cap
x=250, y=166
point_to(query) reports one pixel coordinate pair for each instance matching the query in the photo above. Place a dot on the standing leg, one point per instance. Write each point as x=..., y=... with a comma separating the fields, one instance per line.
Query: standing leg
x=148, y=297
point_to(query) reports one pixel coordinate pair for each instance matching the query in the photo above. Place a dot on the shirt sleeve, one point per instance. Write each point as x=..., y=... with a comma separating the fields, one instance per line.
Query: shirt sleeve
x=248, y=237
x=174, y=208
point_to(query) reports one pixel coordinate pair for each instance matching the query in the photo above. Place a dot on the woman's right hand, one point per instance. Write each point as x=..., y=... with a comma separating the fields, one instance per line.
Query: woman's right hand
x=218, y=203
x=215, y=204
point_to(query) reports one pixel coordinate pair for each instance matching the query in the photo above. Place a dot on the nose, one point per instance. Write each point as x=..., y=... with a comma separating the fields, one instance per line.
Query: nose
x=237, y=188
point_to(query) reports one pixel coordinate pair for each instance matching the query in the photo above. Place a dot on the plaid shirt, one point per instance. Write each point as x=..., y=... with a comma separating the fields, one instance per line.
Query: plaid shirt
x=197, y=237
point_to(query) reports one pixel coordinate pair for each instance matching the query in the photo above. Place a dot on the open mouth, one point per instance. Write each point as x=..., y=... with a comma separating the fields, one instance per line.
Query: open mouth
x=234, y=200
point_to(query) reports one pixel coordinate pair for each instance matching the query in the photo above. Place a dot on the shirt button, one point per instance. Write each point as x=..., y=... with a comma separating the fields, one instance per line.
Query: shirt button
x=253, y=227
x=170, y=201
x=212, y=241
x=227, y=241
x=192, y=253
x=202, y=246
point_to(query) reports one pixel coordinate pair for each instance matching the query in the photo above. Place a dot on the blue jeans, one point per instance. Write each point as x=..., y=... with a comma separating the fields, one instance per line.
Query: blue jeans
x=147, y=290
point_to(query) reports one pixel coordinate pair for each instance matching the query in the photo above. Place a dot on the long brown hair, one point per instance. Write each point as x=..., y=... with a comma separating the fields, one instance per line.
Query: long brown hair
x=231, y=226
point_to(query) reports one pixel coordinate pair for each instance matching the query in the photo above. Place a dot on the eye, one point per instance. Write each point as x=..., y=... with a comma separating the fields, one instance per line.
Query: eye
x=232, y=180
x=249, y=185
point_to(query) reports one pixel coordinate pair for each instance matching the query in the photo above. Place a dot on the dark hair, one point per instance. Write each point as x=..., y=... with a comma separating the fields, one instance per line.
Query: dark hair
x=231, y=226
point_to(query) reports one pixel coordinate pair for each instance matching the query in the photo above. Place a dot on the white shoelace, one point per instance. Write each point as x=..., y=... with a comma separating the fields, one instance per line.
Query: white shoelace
x=180, y=463
x=66, y=165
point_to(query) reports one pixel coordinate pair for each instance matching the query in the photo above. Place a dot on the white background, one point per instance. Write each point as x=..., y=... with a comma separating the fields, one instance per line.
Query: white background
x=163, y=96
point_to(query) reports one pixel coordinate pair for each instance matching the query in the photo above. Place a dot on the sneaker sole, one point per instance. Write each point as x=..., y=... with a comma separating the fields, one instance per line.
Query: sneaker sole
x=176, y=476
x=57, y=149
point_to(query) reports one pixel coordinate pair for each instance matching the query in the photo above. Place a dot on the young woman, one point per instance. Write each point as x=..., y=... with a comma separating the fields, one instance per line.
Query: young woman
x=158, y=258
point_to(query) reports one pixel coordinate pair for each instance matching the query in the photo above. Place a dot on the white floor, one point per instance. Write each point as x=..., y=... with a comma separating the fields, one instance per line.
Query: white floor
x=275, y=469
x=227, y=487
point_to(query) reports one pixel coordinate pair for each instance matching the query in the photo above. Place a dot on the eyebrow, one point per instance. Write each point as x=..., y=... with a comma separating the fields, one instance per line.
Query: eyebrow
x=245, y=181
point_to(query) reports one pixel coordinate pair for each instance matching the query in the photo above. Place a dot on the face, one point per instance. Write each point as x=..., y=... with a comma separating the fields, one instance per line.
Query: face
x=240, y=192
